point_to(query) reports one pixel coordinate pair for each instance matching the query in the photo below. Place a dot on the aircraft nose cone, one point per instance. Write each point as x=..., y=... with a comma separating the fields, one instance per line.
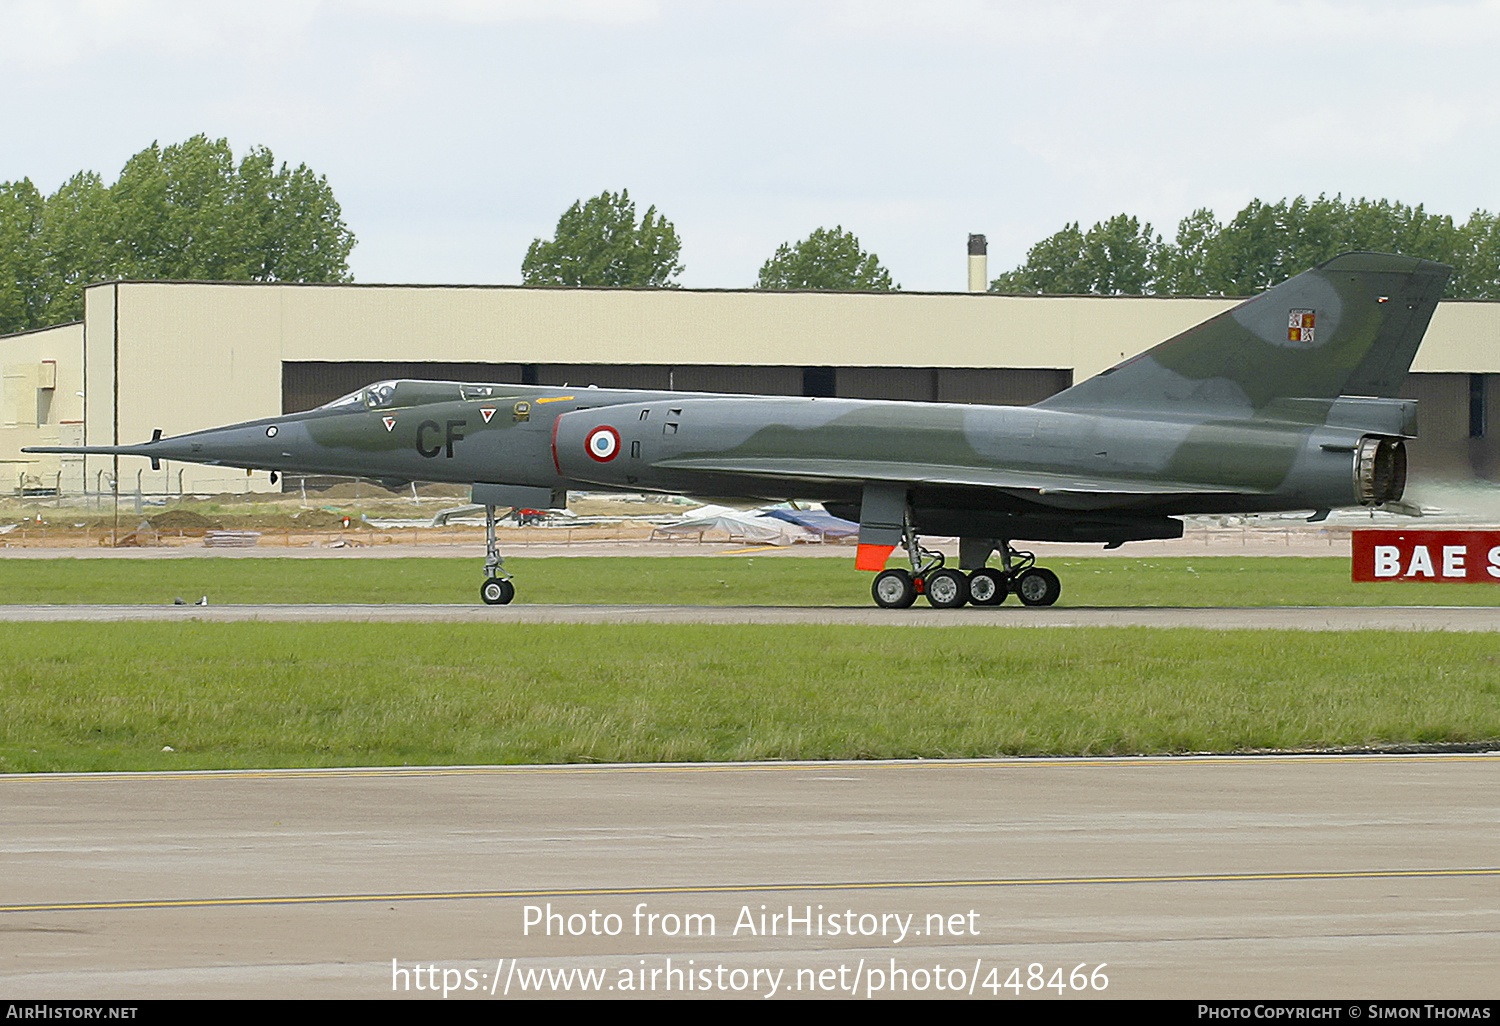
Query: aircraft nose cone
x=263, y=444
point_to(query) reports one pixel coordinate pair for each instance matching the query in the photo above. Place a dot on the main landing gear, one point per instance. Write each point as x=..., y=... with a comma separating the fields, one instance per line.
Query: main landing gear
x=948, y=589
x=497, y=590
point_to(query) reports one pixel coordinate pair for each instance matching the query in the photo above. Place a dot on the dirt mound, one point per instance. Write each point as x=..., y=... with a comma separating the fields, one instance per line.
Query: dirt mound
x=444, y=491
x=322, y=520
x=184, y=521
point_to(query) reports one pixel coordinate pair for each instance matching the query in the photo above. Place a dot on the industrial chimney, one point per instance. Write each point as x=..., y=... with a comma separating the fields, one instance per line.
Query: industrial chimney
x=978, y=264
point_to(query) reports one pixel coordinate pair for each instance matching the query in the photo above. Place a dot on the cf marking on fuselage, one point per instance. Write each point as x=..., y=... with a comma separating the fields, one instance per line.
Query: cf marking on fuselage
x=451, y=434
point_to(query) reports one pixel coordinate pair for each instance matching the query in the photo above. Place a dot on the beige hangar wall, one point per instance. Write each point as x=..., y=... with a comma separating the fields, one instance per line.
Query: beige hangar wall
x=40, y=404
x=194, y=355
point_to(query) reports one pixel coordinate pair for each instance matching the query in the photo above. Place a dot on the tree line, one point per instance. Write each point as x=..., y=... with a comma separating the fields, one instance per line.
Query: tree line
x=1261, y=246
x=183, y=212
x=190, y=212
x=600, y=243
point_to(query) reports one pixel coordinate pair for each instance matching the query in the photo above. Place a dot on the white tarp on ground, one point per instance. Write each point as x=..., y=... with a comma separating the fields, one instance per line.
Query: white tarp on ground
x=739, y=525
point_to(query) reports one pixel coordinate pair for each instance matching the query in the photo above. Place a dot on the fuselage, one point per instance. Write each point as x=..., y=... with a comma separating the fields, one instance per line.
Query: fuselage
x=956, y=459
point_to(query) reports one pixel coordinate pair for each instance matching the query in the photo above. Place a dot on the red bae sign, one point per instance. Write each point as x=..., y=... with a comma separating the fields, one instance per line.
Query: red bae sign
x=1455, y=556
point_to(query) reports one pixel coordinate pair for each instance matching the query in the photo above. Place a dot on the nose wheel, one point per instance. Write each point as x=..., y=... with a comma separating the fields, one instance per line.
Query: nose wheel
x=497, y=591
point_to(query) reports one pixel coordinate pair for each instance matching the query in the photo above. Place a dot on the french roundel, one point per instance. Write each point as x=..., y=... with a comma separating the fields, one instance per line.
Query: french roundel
x=603, y=443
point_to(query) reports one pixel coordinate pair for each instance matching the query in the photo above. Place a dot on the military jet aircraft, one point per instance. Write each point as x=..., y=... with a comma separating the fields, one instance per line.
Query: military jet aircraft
x=1288, y=401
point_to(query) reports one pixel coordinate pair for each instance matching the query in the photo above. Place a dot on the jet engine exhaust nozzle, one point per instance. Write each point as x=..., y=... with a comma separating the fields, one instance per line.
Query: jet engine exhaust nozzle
x=1379, y=470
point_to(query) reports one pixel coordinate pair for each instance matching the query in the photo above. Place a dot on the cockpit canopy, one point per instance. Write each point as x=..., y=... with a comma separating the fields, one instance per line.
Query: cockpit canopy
x=404, y=392
x=382, y=393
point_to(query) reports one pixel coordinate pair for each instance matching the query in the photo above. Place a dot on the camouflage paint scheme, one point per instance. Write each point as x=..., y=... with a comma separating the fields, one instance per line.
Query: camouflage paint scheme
x=1285, y=402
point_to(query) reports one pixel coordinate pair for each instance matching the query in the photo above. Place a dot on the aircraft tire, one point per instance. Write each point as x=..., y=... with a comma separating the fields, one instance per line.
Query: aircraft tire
x=946, y=589
x=1038, y=587
x=987, y=587
x=894, y=589
x=497, y=591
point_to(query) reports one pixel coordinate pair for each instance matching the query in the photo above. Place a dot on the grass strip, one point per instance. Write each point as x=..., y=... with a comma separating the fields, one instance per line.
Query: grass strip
x=114, y=696
x=688, y=580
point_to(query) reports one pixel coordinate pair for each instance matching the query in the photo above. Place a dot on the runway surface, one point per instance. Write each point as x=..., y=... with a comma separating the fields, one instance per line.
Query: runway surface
x=1311, y=618
x=1254, y=877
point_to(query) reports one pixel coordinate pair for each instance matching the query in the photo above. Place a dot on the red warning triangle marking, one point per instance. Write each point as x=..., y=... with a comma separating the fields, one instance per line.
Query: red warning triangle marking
x=390, y=422
x=487, y=413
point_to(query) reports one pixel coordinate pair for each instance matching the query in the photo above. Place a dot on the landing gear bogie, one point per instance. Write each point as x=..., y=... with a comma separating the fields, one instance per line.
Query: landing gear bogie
x=946, y=588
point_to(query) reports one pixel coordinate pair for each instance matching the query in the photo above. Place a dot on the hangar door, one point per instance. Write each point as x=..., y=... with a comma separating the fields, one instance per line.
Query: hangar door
x=305, y=385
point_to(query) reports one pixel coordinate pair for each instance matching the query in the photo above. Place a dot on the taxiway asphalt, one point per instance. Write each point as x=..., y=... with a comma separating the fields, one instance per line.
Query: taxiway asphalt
x=1212, y=877
x=1310, y=618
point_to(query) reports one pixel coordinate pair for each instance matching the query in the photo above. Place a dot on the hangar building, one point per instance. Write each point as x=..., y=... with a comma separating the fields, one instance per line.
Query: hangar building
x=183, y=355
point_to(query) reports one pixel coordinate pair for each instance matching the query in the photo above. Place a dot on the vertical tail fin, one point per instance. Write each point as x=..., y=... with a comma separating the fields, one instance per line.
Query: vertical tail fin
x=1350, y=326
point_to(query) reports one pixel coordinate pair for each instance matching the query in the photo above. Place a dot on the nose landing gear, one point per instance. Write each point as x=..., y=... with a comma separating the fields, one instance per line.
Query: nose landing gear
x=497, y=590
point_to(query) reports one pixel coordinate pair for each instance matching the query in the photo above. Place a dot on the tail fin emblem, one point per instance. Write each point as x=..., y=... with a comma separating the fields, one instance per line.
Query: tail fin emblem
x=1299, y=326
x=390, y=422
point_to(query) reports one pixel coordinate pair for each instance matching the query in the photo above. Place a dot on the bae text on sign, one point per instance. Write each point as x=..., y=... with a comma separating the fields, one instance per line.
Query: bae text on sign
x=1455, y=556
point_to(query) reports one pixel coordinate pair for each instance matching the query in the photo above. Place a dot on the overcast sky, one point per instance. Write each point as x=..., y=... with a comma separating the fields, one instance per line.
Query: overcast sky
x=454, y=132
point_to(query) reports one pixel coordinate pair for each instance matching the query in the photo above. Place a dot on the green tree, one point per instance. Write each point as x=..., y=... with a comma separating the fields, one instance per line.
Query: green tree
x=77, y=245
x=1267, y=243
x=187, y=212
x=1255, y=248
x=1185, y=269
x=291, y=226
x=180, y=212
x=20, y=256
x=1479, y=278
x=1053, y=265
x=1114, y=257
x=1121, y=255
x=829, y=258
x=600, y=243
x=1261, y=246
